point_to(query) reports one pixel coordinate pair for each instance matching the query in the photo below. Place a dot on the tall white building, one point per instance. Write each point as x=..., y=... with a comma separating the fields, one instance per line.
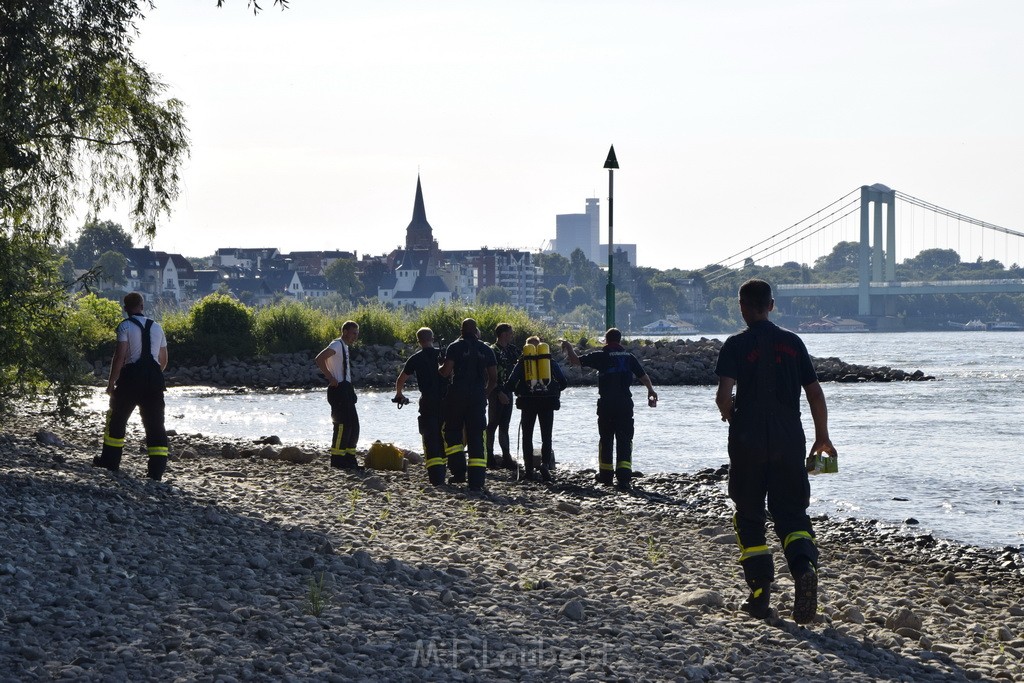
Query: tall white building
x=579, y=231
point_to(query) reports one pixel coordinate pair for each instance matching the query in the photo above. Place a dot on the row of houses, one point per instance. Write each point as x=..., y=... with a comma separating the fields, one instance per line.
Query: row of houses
x=418, y=274
x=257, y=276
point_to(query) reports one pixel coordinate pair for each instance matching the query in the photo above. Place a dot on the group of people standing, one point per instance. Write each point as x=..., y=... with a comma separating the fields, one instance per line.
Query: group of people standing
x=467, y=394
x=466, y=399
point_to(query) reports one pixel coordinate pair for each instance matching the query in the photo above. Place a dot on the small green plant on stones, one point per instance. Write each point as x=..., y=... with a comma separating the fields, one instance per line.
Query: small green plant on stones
x=529, y=584
x=353, y=498
x=469, y=511
x=653, y=550
x=431, y=530
x=316, y=597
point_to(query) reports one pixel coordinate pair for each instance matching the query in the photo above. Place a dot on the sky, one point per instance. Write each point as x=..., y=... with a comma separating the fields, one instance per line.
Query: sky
x=730, y=120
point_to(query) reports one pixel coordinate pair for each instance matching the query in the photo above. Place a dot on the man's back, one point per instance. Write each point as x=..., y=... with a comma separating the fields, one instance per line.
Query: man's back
x=791, y=366
x=470, y=358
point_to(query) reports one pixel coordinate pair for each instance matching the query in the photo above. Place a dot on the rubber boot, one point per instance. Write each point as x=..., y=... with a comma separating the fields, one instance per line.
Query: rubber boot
x=109, y=458
x=477, y=476
x=156, y=467
x=457, y=466
x=435, y=474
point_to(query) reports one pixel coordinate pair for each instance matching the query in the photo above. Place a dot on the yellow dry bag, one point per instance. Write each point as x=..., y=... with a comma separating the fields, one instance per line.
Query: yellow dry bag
x=385, y=456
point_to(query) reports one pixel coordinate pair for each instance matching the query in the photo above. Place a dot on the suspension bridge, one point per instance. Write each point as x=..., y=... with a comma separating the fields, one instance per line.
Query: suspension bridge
x=867, y=216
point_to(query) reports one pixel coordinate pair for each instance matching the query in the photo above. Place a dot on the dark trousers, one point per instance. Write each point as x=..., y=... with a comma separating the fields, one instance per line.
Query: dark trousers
x=342, y=399
x=499, y=416
x=465, y=420
x=546, y=418
x=615, y=430
x=433, y=446
x=780, y=478
x=123, y=402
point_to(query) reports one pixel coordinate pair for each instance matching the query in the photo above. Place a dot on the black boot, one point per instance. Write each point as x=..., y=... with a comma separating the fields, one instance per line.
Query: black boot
x=156, y=467
x=758, y=603
x=476, y=478
x=435, y=474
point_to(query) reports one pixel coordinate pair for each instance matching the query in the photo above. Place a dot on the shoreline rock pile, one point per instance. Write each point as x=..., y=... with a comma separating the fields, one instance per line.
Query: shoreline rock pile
x=243, y=565
x=681, y=362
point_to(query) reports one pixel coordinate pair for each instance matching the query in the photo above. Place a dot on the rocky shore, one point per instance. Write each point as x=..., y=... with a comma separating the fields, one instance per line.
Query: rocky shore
x=681, y=362
x=243, y=565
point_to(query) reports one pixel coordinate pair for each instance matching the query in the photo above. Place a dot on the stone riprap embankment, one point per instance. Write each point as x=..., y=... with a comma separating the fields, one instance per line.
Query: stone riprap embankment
x=682, y=362
x=242, y=565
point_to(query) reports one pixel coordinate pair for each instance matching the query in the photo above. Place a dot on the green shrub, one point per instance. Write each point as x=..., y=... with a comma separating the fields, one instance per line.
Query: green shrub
x=91, y=324
x=290, y=327
x=217, y=326
x=444, y=319
x=377, y=325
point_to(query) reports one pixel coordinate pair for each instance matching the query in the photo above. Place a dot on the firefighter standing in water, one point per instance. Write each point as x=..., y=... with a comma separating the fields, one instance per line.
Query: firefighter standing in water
x=768, y=365
x=424, y=365
x=336, y=365
x=616, y=368
x=536, y=381
x=471, y=366
x=136, y=379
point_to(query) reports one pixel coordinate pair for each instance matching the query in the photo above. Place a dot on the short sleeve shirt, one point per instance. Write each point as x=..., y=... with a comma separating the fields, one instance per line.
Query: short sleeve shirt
x=336, y=364
x=739, y=357
x=616, y=368
x=423, y=364
x=129, y=332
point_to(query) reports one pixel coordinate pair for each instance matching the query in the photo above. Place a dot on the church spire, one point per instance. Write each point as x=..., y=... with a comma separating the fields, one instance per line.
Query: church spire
x=419, y=234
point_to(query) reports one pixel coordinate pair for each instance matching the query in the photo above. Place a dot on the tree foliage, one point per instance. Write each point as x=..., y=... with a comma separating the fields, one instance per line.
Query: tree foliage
x=343, y=278
x=81, y=121
x=493, y=296
x=96, y=238
x=81, y=118
x=111, y=267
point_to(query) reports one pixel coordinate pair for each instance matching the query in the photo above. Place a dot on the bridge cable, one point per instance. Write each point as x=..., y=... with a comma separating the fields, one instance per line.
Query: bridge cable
x=787, y=242
x=729, y=259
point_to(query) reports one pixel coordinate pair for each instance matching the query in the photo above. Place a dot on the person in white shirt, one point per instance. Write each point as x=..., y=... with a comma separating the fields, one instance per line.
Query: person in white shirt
x=136, y=380
x=335, y=362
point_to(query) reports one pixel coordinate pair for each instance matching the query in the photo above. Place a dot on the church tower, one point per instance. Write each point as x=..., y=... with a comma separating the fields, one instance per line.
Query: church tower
x=419, y=234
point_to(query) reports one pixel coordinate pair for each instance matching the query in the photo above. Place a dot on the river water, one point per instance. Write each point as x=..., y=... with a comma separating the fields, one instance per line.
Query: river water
x=947, y=453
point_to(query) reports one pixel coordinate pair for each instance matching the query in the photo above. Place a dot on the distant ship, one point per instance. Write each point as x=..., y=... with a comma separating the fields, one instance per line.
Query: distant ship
x=1005, y=326
x=832, y=325
x=969, y=326
x=670, y=327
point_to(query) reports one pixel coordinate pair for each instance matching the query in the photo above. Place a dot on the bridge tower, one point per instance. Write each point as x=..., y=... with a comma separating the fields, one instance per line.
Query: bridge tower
x=876, y=265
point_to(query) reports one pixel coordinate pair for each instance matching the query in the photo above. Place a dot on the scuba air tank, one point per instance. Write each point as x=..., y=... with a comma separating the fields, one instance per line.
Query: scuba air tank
x=543, y=364
x=530, y=364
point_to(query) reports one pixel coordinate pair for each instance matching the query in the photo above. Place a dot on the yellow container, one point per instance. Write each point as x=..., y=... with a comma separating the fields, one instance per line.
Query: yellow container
x=385, y=456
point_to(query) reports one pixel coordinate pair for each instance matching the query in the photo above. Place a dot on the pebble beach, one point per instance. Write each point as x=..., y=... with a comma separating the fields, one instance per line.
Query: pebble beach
x=253, y=562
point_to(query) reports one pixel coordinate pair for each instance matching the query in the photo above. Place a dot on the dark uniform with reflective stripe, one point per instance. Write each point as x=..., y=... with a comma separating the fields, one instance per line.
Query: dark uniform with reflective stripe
x=465, y=410
x=767, y=447
x=616, y=368
x=141, y=387
x=423, y=364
